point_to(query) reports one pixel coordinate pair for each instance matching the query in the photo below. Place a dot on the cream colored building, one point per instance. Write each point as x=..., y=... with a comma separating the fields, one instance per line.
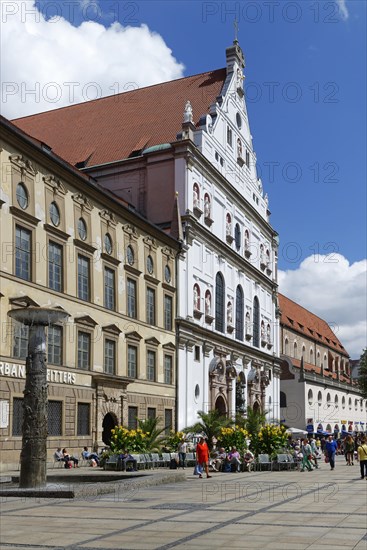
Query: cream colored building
x=68, y=243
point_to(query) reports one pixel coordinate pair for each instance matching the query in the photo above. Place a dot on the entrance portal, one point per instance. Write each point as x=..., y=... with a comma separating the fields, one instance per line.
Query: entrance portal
x=109, y=422
x=220, y=405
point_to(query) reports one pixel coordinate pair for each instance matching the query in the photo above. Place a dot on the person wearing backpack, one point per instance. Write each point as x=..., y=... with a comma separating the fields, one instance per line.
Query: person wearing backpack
x=362, y=457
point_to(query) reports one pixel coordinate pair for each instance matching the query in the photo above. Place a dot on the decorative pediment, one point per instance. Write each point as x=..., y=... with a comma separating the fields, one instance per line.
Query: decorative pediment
x=152, y=341
x=56, y=185
x=150, y=242
x=133, y=335
x=23, y=301
x=23, y=164
x=82, y=200
x=108, y=217
x=112, y=329
x=85, y=320
x=130, y=230
x=169, y=346
x=168, y=252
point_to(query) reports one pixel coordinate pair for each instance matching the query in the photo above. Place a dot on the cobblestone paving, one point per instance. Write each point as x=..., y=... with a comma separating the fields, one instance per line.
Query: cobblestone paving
x=279, y=510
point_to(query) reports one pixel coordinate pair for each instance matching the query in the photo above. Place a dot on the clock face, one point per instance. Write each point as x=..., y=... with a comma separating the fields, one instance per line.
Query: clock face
x=167, y=274
x=130, y=255
x=150, y=265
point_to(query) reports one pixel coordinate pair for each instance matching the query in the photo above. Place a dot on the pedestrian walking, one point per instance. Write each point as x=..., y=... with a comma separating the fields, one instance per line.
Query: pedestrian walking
x=202, y=456
x=330, y=451
x=362, y=457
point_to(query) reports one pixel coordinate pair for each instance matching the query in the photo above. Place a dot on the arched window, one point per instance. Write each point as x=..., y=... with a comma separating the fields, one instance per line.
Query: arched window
x=303, y=352
x=311, y=356
x=237, y=236
x=343, y=402
x=295, y=351
x=318, y=359
x=219, y=302
x=286, y=346
x=283, y=400
x=239, y=313
x=256, y=319
x=328, y=400
x=310, y=397
x=336, y=402
x=319, y=398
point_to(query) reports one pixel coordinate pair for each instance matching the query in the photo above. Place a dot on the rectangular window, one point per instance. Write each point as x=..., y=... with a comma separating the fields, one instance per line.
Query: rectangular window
x=132, y=421
x=23, y=253
x=17, y=416
x=55, y=265
x=83, y=423
x=20, y=340
x=168, y=369
x=131, y=298
x=247, y=159
x=109, y=288
x=167, y=420
x=151, y=366
x=197, y=353
x=54, y=417
x=83, y=350
x=83, y=277
x=168, y=312
x=150, y=306
x=132, y=355
x=54, y=345
x=109, y=356
x=151, y=413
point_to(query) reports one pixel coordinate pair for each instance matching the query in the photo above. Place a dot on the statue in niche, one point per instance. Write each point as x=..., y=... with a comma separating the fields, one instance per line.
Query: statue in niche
x=208, y=303
x=268, y=336
x=239, y=148
x=228, y=225
x=196, y=298
x=188, y=112
x=262, y=331
x=207, y=206
x=196, y=196
x=229, y=313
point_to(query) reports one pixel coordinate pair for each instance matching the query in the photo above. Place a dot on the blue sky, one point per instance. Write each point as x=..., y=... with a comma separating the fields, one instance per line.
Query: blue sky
x=306, y=97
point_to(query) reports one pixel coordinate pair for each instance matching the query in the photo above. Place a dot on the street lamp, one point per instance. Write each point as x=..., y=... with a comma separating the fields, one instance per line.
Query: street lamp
x=33, y=457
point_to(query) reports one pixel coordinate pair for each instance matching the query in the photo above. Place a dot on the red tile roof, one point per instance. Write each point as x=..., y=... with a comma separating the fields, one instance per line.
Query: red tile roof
x=112, y=128
x=308, y=367
x=308, y=324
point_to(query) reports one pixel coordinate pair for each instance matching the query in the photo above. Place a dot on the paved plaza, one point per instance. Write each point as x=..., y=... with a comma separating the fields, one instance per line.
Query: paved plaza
x=297, y=510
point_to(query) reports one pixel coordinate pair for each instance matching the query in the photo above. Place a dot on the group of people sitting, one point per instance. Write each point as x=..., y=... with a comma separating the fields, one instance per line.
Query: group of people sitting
x=221, y=461
x=70, y=460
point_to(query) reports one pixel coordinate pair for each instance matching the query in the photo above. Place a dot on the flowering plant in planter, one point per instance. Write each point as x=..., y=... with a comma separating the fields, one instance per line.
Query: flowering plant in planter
x=135, y=441
x=173, y=439
x=270, y=439
x=233, y=437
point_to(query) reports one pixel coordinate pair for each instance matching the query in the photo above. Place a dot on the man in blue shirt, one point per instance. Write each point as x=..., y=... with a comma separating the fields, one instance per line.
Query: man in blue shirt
x=330, y=450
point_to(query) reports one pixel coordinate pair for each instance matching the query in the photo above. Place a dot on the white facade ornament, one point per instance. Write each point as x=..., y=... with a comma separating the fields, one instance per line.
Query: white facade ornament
x=229, y=313
x=188, y=112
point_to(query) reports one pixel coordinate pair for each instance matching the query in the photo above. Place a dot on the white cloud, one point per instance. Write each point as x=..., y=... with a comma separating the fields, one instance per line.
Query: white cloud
x=49, y=63
x=343, y=10
x=336, y=291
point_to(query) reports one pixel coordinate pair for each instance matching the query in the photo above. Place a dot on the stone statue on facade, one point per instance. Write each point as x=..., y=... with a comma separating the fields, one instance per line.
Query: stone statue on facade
x=188, y=112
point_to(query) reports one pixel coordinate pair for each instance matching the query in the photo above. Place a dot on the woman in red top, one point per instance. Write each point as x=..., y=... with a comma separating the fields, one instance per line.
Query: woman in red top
x=202, y=456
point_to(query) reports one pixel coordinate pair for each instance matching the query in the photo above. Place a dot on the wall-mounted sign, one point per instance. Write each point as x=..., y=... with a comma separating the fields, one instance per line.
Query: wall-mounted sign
x=18, y=371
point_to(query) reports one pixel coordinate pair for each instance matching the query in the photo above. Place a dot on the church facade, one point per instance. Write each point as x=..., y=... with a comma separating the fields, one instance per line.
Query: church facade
x=189, y=140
